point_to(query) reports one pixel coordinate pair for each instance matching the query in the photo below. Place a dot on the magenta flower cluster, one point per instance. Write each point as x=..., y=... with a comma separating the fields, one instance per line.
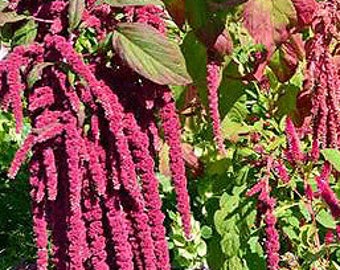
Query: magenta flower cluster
x=95, y=194
x=266, y=208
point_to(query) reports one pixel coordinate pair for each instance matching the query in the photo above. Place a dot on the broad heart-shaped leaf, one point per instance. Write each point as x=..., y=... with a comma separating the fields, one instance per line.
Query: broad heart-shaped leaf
x=268, y=21
x=333, y=156
x=150, y=54
x=124, y=3
x=75, y=12
x=10, y=17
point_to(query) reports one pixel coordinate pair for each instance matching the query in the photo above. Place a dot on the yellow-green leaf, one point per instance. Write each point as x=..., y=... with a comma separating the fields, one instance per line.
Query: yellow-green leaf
x=333, y=156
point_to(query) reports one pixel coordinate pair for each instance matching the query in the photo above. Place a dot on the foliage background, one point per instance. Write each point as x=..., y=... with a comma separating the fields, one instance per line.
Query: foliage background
x=227, y=233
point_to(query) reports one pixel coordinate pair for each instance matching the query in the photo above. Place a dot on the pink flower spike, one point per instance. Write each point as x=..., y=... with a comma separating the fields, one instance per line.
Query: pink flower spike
x=293, y=142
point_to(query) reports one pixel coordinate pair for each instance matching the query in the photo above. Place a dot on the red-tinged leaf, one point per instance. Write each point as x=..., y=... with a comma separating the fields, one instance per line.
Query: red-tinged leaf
x=284, y=62
x=151, y=54
x=223, y=44
x=298, y=45
x=124, y=3
x=176, y=9
x=305, y=10
x=268, y=22
x=75, y=12
x=191, y=160
x=10, y=17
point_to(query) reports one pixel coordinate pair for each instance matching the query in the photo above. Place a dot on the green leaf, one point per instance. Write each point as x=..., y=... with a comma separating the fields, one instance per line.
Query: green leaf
x=230, y=244
x=186, y=254
x=333, y=156
x=150, y=54
x=304, y=211
x=197, y=13
x=195, y=55
x=26, y=34
x=35, y=74
x=10, y=17
x=206, y=232
x=215, y=257
x=287, y=100
x=290, y=233
x=202, y=249
x=176, y=9
x=326, y=219
x=255, y=246
x=234, y=263
x=75, y=12
x=124, y=3
x=284, y=62
x=231, y=91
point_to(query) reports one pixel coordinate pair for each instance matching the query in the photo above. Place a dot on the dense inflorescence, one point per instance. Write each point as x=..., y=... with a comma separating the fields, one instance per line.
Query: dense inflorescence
x=319, y=101
x=95, y=196
x=266, y=207
x=322, y=82
x=213, y=81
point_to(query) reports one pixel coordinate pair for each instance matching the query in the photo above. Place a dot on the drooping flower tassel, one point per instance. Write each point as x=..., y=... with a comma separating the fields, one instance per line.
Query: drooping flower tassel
x=39, y=218
x=267, y=203
x=213, y=81
x=293, y=142
x=93, y=215
x=51, y=174
x=76, y=233
x=326, y=192
x=119, y=233
x=172, y=134
x=145, y=168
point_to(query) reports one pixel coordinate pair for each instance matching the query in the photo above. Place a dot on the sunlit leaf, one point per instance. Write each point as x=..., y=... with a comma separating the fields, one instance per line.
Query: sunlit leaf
x=333, y=156
x=25, y=34
x=326, y=219
x=150, y=54
x=268, y=22
x=75, y=12
x=10, y=17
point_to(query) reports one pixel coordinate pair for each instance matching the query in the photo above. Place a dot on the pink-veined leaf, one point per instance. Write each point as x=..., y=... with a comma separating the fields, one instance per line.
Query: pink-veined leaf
x=151, y=54
x=305, y=10
x=268, y=22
